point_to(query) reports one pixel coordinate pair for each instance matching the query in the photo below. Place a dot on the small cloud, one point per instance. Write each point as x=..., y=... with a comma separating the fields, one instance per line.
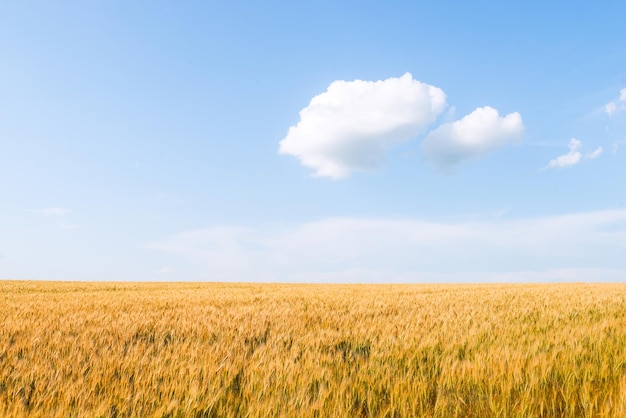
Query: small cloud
x=69, y=226
x=570, y=159
x=574, y=156
x=475, y=135
x=594, y=154
x=52, y=211
x=352, y=124
x=618, y=105
x=165, y=270
x=610, y=108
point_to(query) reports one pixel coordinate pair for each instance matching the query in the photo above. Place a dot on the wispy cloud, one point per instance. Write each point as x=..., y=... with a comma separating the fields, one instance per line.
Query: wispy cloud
x=358, y=249
x=69, y=226
x=51, y=211
x=594, y=154
x=617, y=144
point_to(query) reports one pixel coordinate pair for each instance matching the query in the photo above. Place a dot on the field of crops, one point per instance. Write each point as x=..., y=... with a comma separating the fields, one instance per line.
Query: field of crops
x=234, y=350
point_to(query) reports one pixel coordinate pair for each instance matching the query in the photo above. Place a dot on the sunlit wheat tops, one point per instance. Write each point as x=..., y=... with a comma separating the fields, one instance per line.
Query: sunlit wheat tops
x=78, y=349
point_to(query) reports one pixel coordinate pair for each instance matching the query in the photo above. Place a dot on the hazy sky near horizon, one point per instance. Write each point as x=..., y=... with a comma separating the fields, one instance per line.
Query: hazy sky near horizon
x=313, y=141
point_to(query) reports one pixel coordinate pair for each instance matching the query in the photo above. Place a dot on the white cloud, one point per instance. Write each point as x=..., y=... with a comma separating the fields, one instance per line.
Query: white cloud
x=594, y=154
x=352, y=124
x=570, y=159
x=475, y=135
x=610, y=108
x=618, y=105
x=574, y=156
x=69, y=226
x=582, y=246
x=52, y=211
x=165, y=270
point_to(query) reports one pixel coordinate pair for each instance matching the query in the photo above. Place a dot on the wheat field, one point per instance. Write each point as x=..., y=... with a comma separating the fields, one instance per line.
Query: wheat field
x=281, y=350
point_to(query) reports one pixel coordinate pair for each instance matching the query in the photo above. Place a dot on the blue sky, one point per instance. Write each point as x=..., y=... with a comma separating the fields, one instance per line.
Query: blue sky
x=313, y=141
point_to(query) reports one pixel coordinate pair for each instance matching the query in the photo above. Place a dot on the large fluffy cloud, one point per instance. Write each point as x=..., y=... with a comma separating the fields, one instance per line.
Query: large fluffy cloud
x=353, y=123
x=580, y=246
x=475, y=135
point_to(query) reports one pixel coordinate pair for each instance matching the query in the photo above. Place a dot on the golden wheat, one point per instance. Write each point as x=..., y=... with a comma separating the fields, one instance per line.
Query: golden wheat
x=127, y=349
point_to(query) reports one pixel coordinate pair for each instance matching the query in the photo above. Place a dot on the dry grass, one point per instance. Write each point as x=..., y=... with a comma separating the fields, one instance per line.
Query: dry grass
x=122, y=349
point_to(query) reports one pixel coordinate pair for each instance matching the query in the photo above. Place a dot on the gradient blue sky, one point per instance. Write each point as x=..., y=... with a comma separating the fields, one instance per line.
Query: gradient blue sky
x=140, y=141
